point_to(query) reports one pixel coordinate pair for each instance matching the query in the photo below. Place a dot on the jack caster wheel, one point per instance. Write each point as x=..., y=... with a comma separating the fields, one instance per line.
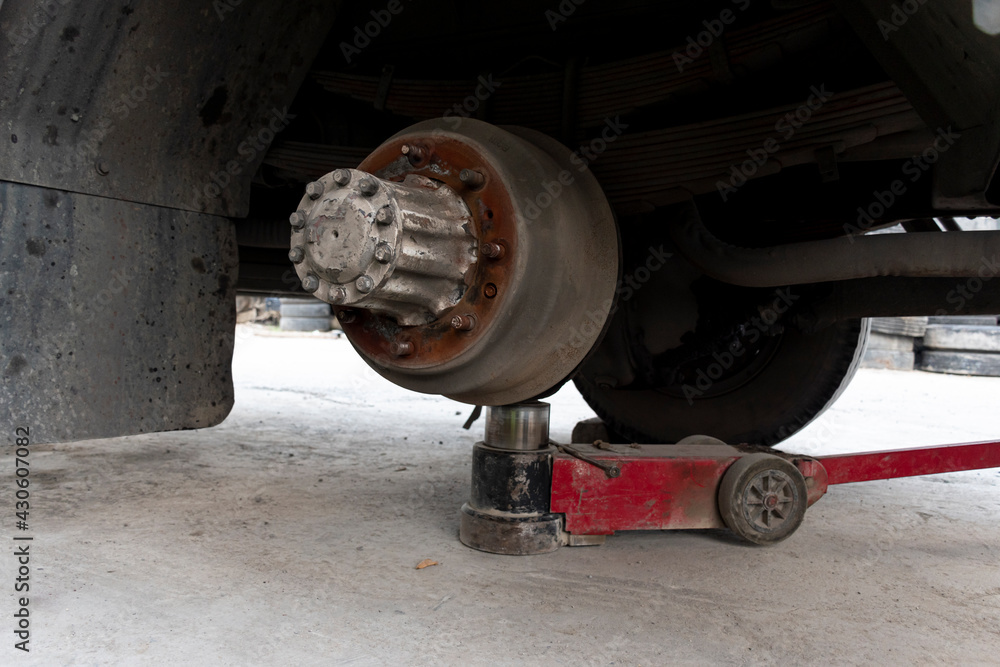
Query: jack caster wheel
x=762, y=498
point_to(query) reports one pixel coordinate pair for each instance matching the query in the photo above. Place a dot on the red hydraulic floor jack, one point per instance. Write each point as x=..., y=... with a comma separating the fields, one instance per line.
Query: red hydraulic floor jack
x=531, y=496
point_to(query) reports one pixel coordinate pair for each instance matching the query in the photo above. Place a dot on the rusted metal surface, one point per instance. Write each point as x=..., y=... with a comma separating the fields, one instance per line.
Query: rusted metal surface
x=527, y=304
x=172, y=104
x=115, y=318
x=863, y=467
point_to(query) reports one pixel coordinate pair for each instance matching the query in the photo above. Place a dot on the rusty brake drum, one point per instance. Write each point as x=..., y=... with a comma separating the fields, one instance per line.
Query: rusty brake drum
x=464, y=259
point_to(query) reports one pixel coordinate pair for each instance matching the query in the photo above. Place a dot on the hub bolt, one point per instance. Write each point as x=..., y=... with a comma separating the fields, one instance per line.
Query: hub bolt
x=414, y=153
x=315, y=190
x=463, y=322
x=298, y=219
x=383, y=253
x=364, y=284
x=342, y=177
x=490, y=290
x=384, y=216
x=338, y=295
x=368, y=186
x=401, y=348
x=472, y=178
x=297, y=254
x=310, y=283
x=492, y=250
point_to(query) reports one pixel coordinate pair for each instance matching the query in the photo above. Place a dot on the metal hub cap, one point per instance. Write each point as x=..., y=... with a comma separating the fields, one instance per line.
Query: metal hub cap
x=768, y=500
x=398, y=248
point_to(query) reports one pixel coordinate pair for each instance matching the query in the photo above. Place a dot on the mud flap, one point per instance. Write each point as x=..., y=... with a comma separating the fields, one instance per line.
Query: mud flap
x=115, y=318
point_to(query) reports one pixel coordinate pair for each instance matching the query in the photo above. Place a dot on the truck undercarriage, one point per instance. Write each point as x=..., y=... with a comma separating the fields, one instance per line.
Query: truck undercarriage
x=668, y=203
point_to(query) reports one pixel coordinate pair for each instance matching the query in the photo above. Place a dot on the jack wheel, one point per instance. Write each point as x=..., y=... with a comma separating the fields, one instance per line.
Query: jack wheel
x=762, y=498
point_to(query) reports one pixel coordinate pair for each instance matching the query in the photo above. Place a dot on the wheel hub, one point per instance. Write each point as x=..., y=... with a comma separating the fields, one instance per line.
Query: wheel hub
x=464, y=259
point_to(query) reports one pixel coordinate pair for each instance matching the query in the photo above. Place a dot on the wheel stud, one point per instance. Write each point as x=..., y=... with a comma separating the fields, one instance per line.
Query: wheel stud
x=492, y=250
x=490, y=290
x=364, y=284
x=338, y=295
x=383, y=253
x=315, y=190
x=297, y=219
x=471, y=178
x=297, y=254
x=310, y=283
x=415, y=154
x=384, y=216
x=342, y=177
x=463, y=322
x=401, y=348
x=368, y=186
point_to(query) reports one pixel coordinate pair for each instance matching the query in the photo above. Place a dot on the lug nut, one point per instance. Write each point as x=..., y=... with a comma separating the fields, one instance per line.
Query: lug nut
x=401, y=348
x=297, y=254
x=315, y=190
x=384, y=216
x=414, y=153
x=471, y=178
x=492, y=250
x=310, y=283
x=463, y=322
x=383, y=253
x=338, y=295
x=298, y=219
x=346, y=316
x=368, y=186
x=364, y=284
x=342, y=177
x=490, y=290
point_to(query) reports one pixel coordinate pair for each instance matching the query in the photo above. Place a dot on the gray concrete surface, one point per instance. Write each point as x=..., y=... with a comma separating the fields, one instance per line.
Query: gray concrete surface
x=290, y=535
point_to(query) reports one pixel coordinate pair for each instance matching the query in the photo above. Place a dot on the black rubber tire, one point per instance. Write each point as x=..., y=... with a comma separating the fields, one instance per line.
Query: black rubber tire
x=739, y=488
x=806, y=374
x=986, y=364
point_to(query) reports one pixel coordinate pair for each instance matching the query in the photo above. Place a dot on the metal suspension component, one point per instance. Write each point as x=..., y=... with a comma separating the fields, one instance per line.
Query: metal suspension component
x=842, y=258
x=464, y=259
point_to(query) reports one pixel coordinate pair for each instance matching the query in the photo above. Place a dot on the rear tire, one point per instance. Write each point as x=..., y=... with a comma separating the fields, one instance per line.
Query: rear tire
x=802, y=378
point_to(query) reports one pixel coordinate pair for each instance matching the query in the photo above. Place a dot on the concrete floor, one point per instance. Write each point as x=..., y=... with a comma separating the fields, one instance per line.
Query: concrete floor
x=290, y=535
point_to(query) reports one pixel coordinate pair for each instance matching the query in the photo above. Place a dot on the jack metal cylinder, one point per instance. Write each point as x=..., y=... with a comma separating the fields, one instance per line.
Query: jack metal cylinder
x=522, y=426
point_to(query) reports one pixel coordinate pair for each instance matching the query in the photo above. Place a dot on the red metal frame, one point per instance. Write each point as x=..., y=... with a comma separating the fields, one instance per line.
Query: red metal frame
x=676, y=486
